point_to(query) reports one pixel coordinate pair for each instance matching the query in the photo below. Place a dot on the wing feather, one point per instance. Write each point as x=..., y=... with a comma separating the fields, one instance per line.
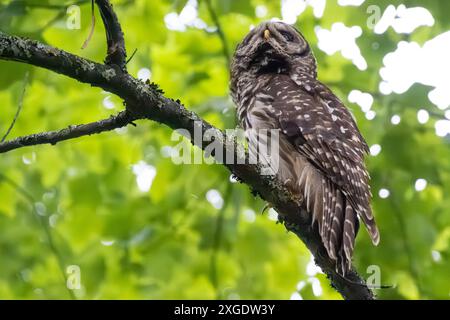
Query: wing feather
x=319, y=127
x=332, y=143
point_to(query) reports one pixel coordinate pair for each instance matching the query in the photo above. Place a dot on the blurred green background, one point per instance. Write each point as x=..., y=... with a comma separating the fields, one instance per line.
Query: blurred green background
x=140, y=227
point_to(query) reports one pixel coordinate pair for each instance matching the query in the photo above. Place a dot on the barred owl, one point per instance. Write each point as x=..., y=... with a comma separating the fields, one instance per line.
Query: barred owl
x=321, y=151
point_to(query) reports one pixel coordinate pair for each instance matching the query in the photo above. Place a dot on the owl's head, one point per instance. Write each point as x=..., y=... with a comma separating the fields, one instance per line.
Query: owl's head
x=274, y=47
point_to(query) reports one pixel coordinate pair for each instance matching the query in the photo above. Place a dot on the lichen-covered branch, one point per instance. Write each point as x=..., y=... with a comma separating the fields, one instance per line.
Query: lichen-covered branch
x=146, y=101
x=116, y=52
x=74, y=131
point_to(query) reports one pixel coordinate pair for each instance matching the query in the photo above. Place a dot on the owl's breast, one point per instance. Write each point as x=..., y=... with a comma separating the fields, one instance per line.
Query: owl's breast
x=254, y=106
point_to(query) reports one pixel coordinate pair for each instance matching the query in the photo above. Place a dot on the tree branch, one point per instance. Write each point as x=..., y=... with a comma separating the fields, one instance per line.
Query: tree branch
x=116, y=52
x=146, y=101
x=71, y=132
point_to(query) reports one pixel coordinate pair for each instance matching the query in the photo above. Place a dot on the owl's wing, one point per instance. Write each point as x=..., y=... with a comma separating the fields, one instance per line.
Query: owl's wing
x=324, y=131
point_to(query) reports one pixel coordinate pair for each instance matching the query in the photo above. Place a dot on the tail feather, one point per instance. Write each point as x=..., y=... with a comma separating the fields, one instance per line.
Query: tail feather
x=349, y=235
x=369, y=221
x=327, y=216
x=338, y=225
x=335, y=238
x=336, y=214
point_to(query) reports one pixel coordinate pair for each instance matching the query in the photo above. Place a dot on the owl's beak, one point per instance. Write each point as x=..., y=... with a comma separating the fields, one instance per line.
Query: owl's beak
x=266, y=34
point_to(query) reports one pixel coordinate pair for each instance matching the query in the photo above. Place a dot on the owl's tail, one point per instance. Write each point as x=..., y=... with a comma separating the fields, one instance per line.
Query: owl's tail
x=351, y=226
x=335, y=216
x=338, y=225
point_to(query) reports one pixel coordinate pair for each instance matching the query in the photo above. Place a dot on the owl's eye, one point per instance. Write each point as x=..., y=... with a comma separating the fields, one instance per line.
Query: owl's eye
x=287, y=35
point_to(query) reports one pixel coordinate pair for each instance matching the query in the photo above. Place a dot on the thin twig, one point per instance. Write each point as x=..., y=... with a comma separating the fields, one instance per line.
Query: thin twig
x=219, y=31
x=71, y=132
x=49, y=23
x=405, y=241
x=19, y=107
x=91, y=31
x=217, y=238
x=132, y=56
x=43, y=223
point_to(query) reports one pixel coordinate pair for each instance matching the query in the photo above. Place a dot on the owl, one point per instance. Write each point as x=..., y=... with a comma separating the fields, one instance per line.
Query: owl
x=274, y=85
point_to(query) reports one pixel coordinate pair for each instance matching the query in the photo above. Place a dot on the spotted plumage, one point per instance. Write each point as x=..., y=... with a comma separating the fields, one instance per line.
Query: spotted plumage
x=321, y=151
